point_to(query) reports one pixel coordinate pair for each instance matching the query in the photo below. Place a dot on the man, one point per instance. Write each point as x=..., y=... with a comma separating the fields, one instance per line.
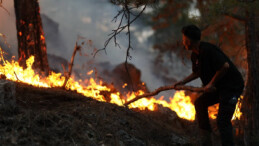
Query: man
x=222, y=82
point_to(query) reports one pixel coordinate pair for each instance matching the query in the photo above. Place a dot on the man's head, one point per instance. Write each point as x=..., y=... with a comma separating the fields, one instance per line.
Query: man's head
x=191, y=37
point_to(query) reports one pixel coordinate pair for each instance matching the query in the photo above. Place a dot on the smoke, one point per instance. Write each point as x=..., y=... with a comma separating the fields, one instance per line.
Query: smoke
x=65, y=20
x=8, y=27
x=92, y=20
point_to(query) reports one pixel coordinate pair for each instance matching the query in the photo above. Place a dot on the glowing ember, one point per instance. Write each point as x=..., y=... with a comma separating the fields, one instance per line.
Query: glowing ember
x=180, y=103
x=90, y=72
x=124, y=85
x=42, y=37
x=213, y=111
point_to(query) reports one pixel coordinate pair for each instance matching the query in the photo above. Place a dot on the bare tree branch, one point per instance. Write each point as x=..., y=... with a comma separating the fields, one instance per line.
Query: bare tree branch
x=125, y=13
x=129, y=46
x=68, y=74
x=164, y=88
x=120, y=27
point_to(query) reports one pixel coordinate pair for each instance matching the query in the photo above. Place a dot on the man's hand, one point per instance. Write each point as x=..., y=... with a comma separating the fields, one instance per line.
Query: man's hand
x=209, y=88
x=189, y=78
x=178, y=83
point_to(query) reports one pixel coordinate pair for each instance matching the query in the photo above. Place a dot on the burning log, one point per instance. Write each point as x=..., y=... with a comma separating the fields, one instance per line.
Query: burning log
x=164, y=88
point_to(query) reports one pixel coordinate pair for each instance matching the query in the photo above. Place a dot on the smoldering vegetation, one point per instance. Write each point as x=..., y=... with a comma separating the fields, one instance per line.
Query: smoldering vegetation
x=39, y=116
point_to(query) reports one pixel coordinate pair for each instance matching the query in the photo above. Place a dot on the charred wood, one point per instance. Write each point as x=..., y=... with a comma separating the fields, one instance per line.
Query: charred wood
x=31, y=40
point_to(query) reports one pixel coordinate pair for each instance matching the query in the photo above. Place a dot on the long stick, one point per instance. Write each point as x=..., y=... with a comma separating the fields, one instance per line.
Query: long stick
x=164, y=88
x=67, y=76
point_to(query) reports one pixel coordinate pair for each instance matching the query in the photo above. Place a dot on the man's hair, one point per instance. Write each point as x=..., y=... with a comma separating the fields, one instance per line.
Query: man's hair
x=192, y=32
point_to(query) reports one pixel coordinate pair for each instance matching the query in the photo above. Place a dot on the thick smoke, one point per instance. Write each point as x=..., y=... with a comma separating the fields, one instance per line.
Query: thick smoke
x=65, y=20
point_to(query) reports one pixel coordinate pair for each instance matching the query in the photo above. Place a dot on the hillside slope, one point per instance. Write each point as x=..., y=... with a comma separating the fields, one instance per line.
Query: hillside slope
x=40, y=116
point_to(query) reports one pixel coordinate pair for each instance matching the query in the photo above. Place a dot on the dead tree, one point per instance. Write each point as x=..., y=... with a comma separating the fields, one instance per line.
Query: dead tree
x=31, y=40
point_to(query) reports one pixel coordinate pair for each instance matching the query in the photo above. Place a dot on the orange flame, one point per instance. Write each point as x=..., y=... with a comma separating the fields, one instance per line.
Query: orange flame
x=90, y=72
x=180, y=103
x=237, y=114
x=42, y=37
x=125, y=85
x=213, y=110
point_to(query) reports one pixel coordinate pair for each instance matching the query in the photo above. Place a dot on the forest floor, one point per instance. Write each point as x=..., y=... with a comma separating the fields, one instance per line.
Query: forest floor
x=52, y=116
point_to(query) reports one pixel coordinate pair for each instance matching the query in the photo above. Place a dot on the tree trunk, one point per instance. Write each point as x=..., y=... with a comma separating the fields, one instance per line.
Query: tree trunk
x=31, y=40
x=251, y=100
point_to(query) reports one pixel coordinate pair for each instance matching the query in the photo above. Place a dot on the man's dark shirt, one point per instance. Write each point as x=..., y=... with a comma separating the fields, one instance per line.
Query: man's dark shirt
x=209, y=61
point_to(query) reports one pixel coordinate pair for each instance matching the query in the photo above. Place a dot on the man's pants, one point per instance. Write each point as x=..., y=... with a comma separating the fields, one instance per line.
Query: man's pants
x=225, y=113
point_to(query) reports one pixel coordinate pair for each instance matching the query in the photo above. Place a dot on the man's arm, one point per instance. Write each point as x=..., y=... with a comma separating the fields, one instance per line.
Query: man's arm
x=218, y=75
x=188, y=79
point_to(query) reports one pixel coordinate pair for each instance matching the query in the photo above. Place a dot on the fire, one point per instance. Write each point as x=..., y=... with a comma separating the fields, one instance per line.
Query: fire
x=42, y=37
x=125, y=85
x=90, y=72
x=238, y=113
x=213, y=110
x=180, y=103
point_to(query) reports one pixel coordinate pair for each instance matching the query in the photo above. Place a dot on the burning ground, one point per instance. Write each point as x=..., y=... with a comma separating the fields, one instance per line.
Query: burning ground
x=98, y=90
x=39, y=116
x=88, y=112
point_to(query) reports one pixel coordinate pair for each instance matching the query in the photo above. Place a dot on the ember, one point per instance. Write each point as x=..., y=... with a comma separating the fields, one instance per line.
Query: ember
x=180, y=103
x=90, y=72
x=42, y=37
